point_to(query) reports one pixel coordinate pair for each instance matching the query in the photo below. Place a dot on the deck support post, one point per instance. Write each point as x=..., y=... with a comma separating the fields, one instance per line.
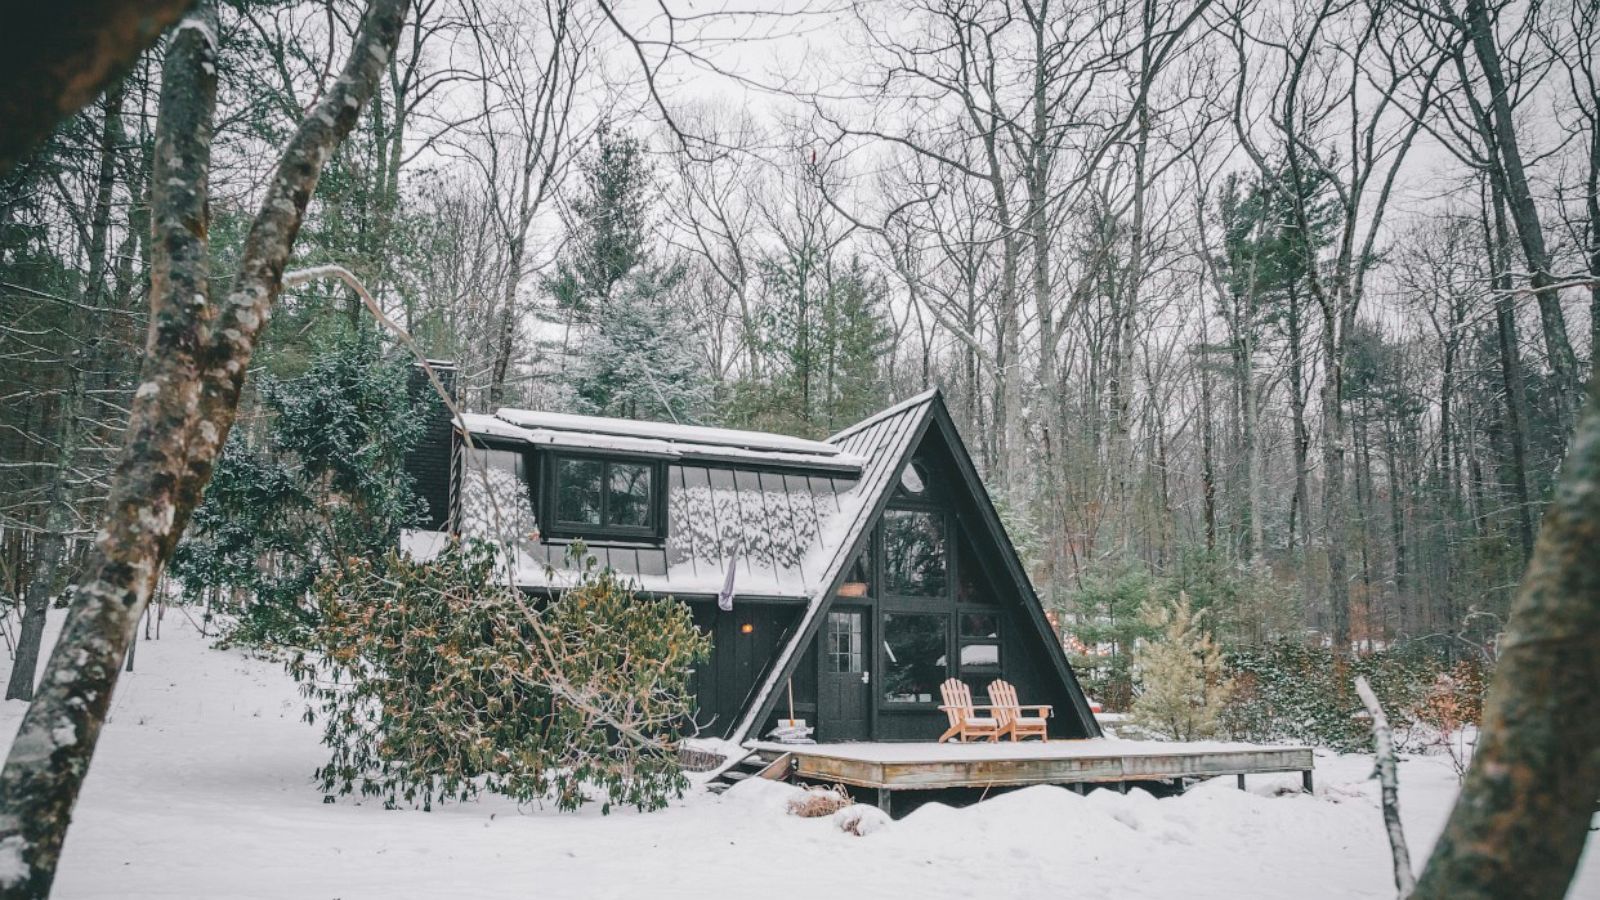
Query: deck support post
x=1305, y=781
x=1241, y=781
x=884, y=803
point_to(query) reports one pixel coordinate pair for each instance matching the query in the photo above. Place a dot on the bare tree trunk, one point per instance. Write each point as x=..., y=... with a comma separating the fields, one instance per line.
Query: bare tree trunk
x=1297, y=405
x=1507, y=168
x=1511, y=379
x=1208, y=471
x=51, y=545
x=1335, y=508
x=1122, y=456
x=1523, y=816
x=196, y=357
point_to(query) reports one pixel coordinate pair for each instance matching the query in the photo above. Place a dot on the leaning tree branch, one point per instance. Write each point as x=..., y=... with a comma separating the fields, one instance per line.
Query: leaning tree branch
x=56, y=57
x=1523, y=816
x=1405, y=881
x=196, y=356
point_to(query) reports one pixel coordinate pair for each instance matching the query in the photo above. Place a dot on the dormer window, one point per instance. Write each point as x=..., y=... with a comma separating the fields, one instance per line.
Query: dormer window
x=600, y=498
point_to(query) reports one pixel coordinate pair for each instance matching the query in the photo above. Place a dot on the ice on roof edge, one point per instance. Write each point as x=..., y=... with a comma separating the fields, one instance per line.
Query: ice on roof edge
x=689, y=434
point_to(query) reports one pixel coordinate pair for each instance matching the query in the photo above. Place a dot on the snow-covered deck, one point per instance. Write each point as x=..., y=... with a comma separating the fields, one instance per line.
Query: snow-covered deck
x=932, y=766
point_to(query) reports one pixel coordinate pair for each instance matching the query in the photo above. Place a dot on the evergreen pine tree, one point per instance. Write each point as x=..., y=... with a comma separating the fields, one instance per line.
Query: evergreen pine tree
x=610, y=220
x=640, y=363
x=825, y=332
x=326, y=485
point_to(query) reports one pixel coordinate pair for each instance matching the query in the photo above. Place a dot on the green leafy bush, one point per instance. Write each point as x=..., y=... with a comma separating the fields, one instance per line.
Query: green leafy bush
x=325, y=481
x=433, y=681
x=1287, y=691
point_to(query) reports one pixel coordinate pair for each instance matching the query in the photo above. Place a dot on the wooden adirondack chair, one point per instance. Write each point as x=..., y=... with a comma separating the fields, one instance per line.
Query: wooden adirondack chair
x=1010, y=715
x=965, y=723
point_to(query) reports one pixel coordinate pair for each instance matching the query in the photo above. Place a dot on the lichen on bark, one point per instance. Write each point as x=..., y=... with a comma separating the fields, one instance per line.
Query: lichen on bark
x=196, y=355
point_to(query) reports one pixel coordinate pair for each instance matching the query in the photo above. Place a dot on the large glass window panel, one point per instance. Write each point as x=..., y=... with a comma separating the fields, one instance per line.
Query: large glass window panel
x=981, y=656
x=914, y=553
x=980, y=625
x=480, y=458
x=915, y=656
x=979, y=685
x=980, y=650
x=857, y=582
x=972, y=583
x=578, y=491
x=629, y=500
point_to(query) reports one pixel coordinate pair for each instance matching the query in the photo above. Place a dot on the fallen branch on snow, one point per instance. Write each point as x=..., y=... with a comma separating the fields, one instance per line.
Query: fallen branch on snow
x=1405, y=881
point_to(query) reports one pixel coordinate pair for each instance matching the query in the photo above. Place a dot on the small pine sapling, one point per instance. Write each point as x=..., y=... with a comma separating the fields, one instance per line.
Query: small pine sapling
x=1184, y=689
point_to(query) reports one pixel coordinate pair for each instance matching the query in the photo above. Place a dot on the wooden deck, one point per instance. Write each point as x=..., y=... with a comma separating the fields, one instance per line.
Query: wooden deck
x=929, y=766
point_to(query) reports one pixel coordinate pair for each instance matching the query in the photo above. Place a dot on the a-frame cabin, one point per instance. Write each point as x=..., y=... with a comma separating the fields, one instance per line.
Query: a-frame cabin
x=867, y=569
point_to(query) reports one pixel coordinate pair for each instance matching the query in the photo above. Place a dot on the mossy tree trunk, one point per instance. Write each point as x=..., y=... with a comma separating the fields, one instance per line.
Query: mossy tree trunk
x=197, y=352
x=1523, y=816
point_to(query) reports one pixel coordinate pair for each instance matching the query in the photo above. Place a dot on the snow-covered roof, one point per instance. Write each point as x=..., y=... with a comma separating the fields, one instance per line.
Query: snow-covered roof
x=666, y=431
x=787, y=530
x=662, y=439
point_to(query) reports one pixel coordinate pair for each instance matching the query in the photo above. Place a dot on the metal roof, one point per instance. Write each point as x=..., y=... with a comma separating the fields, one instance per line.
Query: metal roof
x=660, y=439
x=788, y=532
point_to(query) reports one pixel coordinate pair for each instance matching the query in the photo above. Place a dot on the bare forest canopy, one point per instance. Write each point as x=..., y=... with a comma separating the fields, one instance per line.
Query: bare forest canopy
x=1288, y=305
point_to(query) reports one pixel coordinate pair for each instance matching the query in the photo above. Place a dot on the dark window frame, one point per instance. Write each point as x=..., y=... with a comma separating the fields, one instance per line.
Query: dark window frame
x=942, y=604
x=948, y=532
x=606, y=532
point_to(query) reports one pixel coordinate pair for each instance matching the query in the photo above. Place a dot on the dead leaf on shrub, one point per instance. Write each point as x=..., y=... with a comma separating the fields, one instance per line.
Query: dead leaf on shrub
x=819, y=801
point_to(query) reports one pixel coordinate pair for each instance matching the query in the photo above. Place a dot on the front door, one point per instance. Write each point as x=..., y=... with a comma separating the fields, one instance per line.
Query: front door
x=844, y=688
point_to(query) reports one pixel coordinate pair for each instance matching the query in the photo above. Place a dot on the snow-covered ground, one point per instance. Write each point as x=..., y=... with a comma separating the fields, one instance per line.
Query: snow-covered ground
x=202, y=788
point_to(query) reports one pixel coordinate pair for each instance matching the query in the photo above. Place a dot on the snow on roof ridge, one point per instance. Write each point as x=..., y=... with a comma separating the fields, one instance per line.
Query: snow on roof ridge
x=879, y=416
x=668, y=431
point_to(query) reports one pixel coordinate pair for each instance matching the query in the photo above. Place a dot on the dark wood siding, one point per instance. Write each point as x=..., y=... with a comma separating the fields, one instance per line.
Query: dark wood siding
x=428, y=463
x=723, y=683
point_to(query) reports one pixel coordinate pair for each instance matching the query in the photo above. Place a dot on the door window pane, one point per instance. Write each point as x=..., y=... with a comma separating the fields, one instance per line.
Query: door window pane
x=630, y=495
x=578, y=491
x=915, y=657
x=914, y=553
x=508, y=461
x=844, y=642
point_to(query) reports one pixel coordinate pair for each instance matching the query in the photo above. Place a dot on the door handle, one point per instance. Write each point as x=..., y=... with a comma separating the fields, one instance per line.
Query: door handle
x=866, y=677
